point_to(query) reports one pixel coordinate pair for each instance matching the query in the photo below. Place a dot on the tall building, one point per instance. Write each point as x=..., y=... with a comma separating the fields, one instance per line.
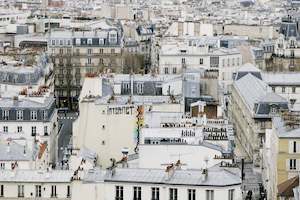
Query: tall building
x=79, y=54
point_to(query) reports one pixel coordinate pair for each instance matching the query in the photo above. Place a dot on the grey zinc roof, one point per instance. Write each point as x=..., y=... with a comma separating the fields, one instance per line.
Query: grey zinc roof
x=251, y=90
x=282, y=130
x=36, y=176
x=25, y=103
x=14, y=152
x=217, y=176
x=123, y=99
x=282, y=78
x=271, y=97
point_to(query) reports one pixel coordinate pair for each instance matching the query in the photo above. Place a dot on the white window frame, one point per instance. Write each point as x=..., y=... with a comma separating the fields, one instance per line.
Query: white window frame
x=33, y=115
x=19, y=114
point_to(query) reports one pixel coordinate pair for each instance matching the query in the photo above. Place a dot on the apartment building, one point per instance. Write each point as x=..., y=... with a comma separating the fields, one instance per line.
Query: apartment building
x=287, y=44
x=35, y=184
x=175, y=136
x=102, y=108
x=285, y=84
x=77, y=54
x=251, y=109
x=174, y=59
x=174, y=183
x=32, y=119
x=282, y=148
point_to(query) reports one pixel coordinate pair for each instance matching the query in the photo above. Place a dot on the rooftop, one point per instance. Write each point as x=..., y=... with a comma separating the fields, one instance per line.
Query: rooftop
x=39, y=176
x=216, y=176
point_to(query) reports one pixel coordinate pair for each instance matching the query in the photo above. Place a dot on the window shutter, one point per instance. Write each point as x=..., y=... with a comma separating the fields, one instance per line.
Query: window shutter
x=291, y=145
x=287, y=164
x=298, y=147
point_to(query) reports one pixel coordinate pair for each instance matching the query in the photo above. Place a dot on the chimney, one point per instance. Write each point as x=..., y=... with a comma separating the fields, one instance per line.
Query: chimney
x=8, y=147
x=24, y=151
x=170, y=170
x=125, y=157
x=204, y=174
x=15, y=100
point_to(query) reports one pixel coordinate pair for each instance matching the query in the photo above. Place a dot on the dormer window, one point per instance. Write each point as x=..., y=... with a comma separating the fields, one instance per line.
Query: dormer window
x=19, y=114
x=273, y=109
x=78, y=41
x=33, y=115
x=89, y=42
x=101, y=41
x=5, y=114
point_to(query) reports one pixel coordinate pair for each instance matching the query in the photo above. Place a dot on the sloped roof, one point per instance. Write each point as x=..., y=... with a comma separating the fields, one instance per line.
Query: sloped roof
x=251, y=89
x=216, y=176
x=271, y=97
x=14, y=152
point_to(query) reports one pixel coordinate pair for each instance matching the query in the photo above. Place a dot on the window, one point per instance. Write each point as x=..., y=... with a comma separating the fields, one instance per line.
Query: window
x=293, y=89
x=89, y=51
x=33, y=115
x=166, y=70
x=273, y=89
x=191, y=194
x=293, y=164
x=173, y=194
x=112, y=51
x=5, y=114
x=38, y=191
x=209, y=195
x=19, y=129
x=137, y=193
x=1, y=190
x=174, y=70
x=273, y=109
x=78, y=41
x=155, y=193
x=45, y=114
x=201, y=61
x=101, y=41
x=119, y=193
x=294, y=147
x=101, y=61
x=2, y=166
x=5, y=129
x=101, y=51
x=53, y=190
x=69, y=42
x=231, y=194
x=53, y=42
x=89, y=41
x=46, y=130
x=283, y=89
x=68, y=191
x=20, y=190
x=89, y=61
x=182, y=60
x=61, y=51
x=19, y=114
x=33, y=131
x=139, y=88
